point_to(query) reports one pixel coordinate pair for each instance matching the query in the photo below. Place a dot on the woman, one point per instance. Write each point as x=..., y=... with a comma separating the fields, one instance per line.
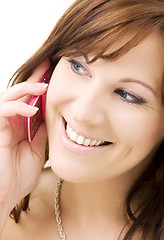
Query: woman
x=104, y=121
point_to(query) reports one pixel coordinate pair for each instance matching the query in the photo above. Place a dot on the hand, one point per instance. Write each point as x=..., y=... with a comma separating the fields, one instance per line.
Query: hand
x=20, y=161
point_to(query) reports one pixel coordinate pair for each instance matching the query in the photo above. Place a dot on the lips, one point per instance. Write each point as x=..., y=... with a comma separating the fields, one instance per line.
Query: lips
x=77, y=148
x=82, y=140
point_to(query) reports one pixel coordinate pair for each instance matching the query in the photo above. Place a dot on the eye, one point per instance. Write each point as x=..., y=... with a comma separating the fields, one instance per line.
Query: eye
x=129, y=97
x=78, y=68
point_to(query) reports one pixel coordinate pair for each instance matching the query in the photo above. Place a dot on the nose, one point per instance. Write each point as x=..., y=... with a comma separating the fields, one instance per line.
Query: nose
x=89, y=107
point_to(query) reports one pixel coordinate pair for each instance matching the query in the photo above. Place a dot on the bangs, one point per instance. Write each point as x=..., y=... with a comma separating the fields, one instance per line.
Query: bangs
x=99, y=28
x=105, y=29
x=109, y=47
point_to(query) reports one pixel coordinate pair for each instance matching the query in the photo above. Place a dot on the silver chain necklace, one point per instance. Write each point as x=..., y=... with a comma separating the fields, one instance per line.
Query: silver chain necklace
x=57, y=209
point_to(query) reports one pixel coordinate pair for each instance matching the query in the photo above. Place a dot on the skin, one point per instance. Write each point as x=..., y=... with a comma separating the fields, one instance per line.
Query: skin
x=96, y=183
x=93, y=109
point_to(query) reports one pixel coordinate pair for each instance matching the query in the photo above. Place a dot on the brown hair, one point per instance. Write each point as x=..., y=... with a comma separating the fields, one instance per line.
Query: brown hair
x=94, y=27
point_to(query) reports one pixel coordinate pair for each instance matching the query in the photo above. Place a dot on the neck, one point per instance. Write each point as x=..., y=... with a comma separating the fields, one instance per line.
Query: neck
x=103, y=200
x=96, y=208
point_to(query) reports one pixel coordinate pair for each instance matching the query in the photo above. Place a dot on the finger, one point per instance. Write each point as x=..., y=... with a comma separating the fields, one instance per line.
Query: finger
x=25, y=87
x=22, y=89
x=11, y=131
x=10, y=109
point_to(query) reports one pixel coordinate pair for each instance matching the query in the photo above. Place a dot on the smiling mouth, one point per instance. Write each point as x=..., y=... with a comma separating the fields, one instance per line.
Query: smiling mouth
x=81, y=140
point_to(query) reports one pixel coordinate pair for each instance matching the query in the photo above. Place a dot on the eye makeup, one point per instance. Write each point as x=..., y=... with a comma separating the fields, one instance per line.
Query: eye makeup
x=79, y=68
x=125, y=95
x=129, y=97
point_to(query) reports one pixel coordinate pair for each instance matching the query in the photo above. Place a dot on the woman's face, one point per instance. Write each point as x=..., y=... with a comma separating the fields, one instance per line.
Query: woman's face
x=117, y=103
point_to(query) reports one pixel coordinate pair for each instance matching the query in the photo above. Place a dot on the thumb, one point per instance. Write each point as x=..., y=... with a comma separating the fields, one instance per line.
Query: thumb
x=38, y=144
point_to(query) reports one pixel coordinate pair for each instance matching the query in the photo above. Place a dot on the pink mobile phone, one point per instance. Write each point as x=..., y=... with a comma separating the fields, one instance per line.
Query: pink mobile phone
x=31, y=124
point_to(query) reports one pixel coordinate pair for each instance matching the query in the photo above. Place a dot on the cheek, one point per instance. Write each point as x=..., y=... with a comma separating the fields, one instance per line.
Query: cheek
x=58, y=93
x=140, y=130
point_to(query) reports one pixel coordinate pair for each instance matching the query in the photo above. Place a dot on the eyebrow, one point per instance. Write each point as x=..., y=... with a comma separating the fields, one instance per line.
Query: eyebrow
x=138, y=82
x=126, y=80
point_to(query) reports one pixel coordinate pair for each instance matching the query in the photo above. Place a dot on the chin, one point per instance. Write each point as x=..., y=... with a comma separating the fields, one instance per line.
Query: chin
x=70, y=173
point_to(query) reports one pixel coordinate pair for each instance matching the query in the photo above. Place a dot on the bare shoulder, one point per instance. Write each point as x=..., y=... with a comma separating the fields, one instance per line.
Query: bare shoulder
x=39, y=221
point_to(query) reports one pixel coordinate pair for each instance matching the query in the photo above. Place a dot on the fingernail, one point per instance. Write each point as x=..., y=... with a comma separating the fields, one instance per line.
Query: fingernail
x=33, y=108
x=45, y=85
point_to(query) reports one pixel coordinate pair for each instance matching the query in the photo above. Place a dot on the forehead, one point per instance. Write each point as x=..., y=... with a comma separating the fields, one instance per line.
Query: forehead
x=145, y=61
x=147, y=58
x=149, y=51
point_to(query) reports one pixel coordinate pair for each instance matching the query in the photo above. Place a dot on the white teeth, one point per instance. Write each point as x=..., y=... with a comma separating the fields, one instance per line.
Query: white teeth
x=87, y=142
x=69, y=130
x=98, y=143
x=81, y=139
x=73, y=136
x=92, y=143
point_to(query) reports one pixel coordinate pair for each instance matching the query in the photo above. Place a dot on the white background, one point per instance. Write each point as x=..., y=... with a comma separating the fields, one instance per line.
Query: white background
x=24, y=25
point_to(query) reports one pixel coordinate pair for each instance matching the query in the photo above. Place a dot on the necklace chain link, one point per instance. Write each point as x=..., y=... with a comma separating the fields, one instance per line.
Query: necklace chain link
x=57, y=209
